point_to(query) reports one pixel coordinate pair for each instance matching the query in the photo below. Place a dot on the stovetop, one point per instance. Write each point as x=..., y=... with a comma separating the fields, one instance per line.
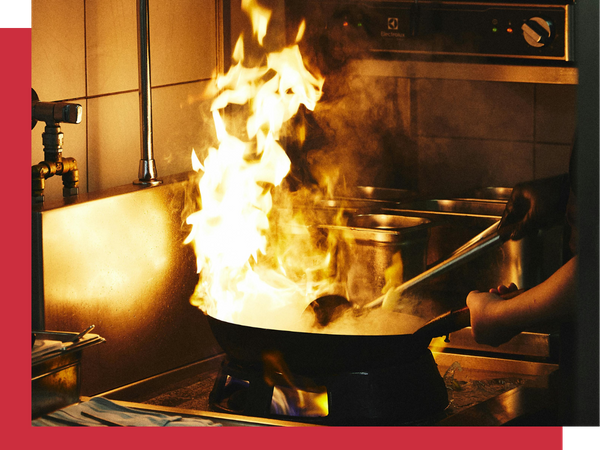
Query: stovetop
x=482, y=390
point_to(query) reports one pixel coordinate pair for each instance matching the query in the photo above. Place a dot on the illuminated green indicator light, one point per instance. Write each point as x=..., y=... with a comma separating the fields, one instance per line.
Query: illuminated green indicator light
x=359, y=24
x=494, y=29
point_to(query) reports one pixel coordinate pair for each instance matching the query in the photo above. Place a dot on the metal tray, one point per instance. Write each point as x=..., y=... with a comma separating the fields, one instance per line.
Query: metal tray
x=488, y=193
x=55, y=376
x=378, y=194
x=472, y=208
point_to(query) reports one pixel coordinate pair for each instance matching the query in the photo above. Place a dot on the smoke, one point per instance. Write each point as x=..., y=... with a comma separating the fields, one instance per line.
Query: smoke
x=359, y=133
x=353, y=137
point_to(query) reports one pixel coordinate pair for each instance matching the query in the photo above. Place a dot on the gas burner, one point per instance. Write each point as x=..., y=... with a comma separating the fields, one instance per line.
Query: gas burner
x=413, y=393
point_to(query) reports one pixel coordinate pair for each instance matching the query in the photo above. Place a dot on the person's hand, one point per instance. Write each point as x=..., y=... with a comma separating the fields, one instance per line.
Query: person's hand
x=534, y=205
x=488, y=324
x=505, y=291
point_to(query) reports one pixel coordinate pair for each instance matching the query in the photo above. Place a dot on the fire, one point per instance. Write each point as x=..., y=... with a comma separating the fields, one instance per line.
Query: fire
x=240, y=281
x=289, y=401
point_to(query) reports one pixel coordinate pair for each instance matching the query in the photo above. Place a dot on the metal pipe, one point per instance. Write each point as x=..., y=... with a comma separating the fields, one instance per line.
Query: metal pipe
x=147, y=174
x=53, y=113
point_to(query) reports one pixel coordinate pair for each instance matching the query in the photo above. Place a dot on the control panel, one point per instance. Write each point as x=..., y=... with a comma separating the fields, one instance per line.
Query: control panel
x=453, y=28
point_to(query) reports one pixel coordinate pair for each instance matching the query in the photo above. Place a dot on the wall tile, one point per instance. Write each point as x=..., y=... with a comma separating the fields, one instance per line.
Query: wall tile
x=182, y=40
x=74, y=146
x=555, y=113
x=58, y=49
x=404, y=104
x=551, y=159
x=112, y=56
x=475, y=109
x=452, y=166
x=113, y=140
x=181, y=122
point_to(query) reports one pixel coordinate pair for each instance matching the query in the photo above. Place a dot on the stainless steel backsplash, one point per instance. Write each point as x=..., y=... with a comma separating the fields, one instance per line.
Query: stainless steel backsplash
x=117, y=260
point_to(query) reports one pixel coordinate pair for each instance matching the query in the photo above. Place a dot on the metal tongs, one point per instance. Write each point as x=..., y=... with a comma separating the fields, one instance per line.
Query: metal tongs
x=78, y=337
x=486, y=240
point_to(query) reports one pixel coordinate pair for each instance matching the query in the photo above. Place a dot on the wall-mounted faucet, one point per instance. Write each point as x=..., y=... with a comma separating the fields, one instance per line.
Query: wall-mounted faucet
x=53, y=113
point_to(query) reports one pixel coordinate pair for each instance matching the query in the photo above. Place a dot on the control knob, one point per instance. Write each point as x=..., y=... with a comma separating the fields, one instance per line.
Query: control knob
x=538, y=32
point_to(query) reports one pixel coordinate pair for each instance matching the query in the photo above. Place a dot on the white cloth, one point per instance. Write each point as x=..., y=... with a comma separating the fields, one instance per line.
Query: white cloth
x=105, y=409
x=44, y=346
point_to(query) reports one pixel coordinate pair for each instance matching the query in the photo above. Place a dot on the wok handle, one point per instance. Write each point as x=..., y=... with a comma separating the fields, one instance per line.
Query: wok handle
x=445, y=324
x=453, y=320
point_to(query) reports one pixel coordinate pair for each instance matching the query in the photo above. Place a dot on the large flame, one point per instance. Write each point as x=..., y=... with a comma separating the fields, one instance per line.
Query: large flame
x=230, y=232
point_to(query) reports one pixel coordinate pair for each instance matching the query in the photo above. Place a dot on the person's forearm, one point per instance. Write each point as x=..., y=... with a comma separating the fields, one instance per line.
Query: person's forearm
x=495, y=321
x=549, y=301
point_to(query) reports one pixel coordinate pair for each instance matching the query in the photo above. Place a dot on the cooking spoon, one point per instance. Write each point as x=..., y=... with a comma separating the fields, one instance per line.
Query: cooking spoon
x=330, y=307
x=327, y=308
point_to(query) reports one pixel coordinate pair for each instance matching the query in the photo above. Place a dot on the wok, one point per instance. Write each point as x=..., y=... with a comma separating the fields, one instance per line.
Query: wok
x=317, y=353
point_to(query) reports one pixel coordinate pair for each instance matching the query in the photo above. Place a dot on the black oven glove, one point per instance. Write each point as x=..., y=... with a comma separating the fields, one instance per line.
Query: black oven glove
x=534, y=205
